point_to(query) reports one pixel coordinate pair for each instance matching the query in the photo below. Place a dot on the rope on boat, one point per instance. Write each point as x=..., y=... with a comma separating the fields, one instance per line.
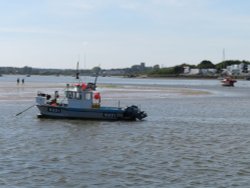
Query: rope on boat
x=25, y=110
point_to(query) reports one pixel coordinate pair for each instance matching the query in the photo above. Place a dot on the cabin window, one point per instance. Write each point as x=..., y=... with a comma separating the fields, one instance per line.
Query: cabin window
x=69, y=94
x=88, y=96
x=78, y=96
x=73, y=95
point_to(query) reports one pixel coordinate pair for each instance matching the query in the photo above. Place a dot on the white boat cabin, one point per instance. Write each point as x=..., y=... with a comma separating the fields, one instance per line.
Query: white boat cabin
x=76, y=96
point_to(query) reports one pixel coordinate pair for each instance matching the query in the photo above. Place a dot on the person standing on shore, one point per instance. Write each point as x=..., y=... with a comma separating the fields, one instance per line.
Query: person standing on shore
x=17, y=81
x=23, y=81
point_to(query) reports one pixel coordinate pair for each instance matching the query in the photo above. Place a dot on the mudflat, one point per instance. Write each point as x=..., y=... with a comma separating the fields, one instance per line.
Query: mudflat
x=10, y=91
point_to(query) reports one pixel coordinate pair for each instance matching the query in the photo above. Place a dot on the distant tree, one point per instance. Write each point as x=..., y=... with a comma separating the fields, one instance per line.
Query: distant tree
x=156, y=67
x=246, y=62
x=205, y=64
x=166, y=71
x=27, y=70
x=178, y=70
x=245, y=68
x=96, y=70
x=224, y=64
x=188, y=65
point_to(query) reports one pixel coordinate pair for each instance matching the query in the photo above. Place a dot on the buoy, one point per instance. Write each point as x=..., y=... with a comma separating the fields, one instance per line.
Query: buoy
x=97, y=96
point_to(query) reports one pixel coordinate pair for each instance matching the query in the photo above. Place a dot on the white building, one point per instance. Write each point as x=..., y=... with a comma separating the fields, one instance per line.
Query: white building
x=189, y=71
x=235, y=69
x=208, y=71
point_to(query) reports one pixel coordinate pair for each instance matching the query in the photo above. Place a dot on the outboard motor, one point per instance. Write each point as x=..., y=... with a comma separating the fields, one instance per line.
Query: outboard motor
x=140, y=115
x=133, y=113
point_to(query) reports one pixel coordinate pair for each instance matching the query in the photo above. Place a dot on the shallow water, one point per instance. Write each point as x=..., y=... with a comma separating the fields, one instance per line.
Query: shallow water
x=199, y=140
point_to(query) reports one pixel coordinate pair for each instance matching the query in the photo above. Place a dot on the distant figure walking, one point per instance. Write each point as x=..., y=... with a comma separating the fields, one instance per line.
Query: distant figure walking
x=23, y=81
x=17, y=81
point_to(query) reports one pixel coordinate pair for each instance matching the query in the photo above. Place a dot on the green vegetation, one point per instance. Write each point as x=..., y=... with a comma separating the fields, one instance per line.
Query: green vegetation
x=171, y=71
x=224, y=64
x=205, y=64
x=39, y=71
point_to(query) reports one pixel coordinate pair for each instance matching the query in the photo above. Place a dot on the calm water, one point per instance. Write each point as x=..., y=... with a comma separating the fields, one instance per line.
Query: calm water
x=187, y=141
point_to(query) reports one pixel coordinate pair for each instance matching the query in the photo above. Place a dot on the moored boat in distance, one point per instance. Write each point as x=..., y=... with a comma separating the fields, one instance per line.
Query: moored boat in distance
x=228, y=81
x=82, y=101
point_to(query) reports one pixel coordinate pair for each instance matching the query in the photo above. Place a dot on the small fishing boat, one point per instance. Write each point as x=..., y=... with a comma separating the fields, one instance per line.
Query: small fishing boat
x=228, y=81
x=82, y=101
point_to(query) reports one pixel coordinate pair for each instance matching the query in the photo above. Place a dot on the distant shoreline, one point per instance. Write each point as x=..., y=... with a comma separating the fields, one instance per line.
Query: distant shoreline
x=191, y=77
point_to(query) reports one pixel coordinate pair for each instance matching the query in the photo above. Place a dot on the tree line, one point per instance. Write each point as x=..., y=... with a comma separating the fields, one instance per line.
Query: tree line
x=205, y=64
x=41, y=71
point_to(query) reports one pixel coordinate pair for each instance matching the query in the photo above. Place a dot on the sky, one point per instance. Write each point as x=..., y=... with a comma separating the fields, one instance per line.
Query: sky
x=122, y=33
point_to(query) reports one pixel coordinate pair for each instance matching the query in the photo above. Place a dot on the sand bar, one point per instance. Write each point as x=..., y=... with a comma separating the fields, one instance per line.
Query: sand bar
x=10, y=91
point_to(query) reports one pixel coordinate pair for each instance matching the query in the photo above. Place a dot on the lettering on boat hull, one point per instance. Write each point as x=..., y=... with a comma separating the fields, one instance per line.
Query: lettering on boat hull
x=110, y=115
x=54, y=110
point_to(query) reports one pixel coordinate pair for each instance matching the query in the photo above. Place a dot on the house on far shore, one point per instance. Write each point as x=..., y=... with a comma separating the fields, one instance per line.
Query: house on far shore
x=196, y=71
x=208, y=71
x=189, y=71
x=238, y=69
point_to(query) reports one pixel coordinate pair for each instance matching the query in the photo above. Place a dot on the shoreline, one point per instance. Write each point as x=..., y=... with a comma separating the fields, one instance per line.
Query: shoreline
x=202, y=77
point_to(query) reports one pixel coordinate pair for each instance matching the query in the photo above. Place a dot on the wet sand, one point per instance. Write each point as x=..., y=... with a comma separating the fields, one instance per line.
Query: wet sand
x=10, y=91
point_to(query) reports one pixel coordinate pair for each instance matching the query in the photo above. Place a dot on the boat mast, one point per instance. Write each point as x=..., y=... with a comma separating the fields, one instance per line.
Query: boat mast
x=77, y=70
x=96, y=76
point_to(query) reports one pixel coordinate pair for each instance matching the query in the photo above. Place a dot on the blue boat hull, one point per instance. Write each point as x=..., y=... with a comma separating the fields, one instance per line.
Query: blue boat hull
x=102, y=113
